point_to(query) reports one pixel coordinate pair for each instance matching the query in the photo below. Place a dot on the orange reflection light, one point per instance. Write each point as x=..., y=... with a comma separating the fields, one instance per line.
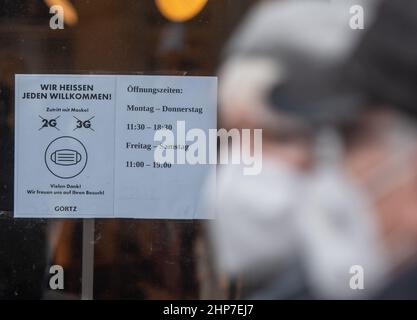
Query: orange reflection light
x=70, y=14
x=180, y=10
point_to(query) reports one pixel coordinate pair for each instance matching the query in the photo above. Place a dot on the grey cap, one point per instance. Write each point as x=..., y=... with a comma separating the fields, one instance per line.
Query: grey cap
x=309, y=40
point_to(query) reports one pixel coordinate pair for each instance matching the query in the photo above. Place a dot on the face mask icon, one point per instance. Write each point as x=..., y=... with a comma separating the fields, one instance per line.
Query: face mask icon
x=66, y=157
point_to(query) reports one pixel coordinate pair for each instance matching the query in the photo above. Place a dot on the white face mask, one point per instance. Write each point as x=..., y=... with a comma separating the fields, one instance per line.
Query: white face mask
x=255, y=223
x=324, y=217
x=268, y=220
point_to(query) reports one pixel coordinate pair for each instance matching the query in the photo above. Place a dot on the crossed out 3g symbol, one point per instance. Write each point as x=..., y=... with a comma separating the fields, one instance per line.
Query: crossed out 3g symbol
x=83, y=124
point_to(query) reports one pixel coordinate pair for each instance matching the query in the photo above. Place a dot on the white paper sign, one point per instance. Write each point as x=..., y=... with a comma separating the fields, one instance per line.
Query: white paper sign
x=85, y=145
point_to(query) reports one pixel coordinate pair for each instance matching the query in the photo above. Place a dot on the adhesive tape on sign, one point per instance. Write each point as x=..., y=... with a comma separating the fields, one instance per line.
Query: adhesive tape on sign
x=180, y=10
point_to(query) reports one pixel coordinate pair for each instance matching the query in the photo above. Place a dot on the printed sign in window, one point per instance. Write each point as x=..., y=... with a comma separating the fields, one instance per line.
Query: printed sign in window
x=86, y=145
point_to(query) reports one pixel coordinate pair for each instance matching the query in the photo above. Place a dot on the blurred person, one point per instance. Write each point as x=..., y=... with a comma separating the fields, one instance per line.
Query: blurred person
x=360, y=195
x=256, y=234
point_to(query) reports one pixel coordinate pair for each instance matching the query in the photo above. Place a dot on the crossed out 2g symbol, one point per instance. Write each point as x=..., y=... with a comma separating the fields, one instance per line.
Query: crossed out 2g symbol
x=49, y=123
